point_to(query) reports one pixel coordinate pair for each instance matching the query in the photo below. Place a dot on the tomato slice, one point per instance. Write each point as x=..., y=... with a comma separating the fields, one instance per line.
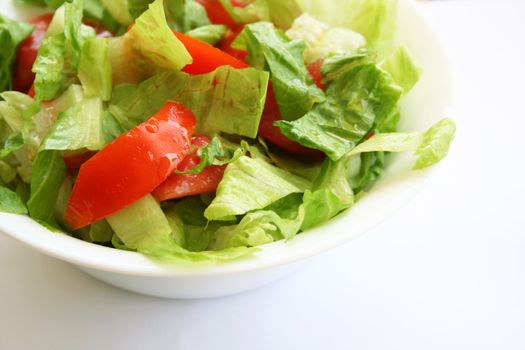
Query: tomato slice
x=272, y=133
x=217, y=13
x=206, y=58
x=27, y=52
x=183, y=185
x=131, y=166
x=315, y=72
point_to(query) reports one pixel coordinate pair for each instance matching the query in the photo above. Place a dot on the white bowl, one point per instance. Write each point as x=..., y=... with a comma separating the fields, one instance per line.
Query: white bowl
x=425, y=105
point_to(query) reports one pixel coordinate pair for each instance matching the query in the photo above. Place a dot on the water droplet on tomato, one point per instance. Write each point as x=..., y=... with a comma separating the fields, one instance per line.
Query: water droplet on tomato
x=152, y=128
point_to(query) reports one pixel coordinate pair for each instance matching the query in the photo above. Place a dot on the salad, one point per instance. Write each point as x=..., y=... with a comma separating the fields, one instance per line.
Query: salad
x=200, y=130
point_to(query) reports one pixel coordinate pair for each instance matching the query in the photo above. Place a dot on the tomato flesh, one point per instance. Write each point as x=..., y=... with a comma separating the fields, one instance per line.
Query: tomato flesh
x=131, y=166
x=206, y=58
x=315, y=72
x=183, y=185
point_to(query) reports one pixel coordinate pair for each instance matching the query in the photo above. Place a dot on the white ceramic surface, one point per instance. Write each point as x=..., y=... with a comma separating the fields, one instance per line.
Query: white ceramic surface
x=426, y=104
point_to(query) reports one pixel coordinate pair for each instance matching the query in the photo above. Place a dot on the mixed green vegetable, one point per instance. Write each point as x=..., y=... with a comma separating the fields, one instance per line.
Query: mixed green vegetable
x=201, y=129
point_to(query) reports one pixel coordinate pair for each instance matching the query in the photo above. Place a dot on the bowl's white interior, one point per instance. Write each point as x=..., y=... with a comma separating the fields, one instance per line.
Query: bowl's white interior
x=426, y=104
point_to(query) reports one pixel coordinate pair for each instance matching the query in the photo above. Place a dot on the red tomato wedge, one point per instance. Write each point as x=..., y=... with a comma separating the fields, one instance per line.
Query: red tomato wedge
x=183, y=185
x=131, y=166
x=217, y=13
x=75, y=161
x=315, y=72
x=272, y=133
x=23, y=76
x=206, y=58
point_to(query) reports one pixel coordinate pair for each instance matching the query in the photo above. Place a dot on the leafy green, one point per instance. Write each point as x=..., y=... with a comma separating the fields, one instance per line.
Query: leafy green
x=144, y=227
x=403, y=67
x=211, y=34
x=98, y=232
x=153, y=43
x=94, y=69
x=49, y=172
x=251, y=184
x=12, y=33
x=227, y=100
x=58, y=57
x=186, y=15
x=79, y=127
x=13, y=143
x=331, y=194
x=10, y=202
x=359, y=96
x=270, y=49
x=430, y=146
x=375, y=19
x=323, y=40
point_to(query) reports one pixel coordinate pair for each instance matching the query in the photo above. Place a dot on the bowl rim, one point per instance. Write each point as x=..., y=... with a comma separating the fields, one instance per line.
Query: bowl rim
x=272, y=255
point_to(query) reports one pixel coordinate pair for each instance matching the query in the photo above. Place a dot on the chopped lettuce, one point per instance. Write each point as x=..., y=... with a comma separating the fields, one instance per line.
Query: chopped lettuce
x=226, y=100
x=375, y=19
x=12, y=33
x=360, y=95
x=211, y=34
x=251, y=184
x=49, y=172
x=430, y=146
x=153, y=43
x=403, y=67
x=270, y=49
x=94, y=69
x=323, y=40
x=10, y=202
x=79, y=127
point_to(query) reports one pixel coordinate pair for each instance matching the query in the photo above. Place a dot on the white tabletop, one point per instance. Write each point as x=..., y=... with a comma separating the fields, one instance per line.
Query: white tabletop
x=447, y=272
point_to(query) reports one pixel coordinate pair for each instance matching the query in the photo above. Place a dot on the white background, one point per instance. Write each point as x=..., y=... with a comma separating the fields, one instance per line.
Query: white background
x=447, y=272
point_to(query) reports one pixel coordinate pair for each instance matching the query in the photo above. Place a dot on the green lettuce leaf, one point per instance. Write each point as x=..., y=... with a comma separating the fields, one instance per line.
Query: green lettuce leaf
x=58, y=58
x=11, y=144
x=211, y=34
x=144, y=227
x=331, y=194
x=375, y=19
x=99, y=232
x=49, y=172
x=323, y=40
x=251, y=184
x=226, y=100
x=403, y=67
x=10, y=202
x=94, y=69
x=430, y=146
x=270, y=49
x=153, y=43
x=12, y=33
x=79, y=127
x=360, y=95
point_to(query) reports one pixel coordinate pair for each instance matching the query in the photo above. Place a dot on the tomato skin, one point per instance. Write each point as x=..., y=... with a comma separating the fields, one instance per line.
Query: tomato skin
x=75, y=161
x=184, y=185
x=23, y=76
x=206, y=58
x=217, y=13
x=315, y=72
x=272, y=133
x=131, y=166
